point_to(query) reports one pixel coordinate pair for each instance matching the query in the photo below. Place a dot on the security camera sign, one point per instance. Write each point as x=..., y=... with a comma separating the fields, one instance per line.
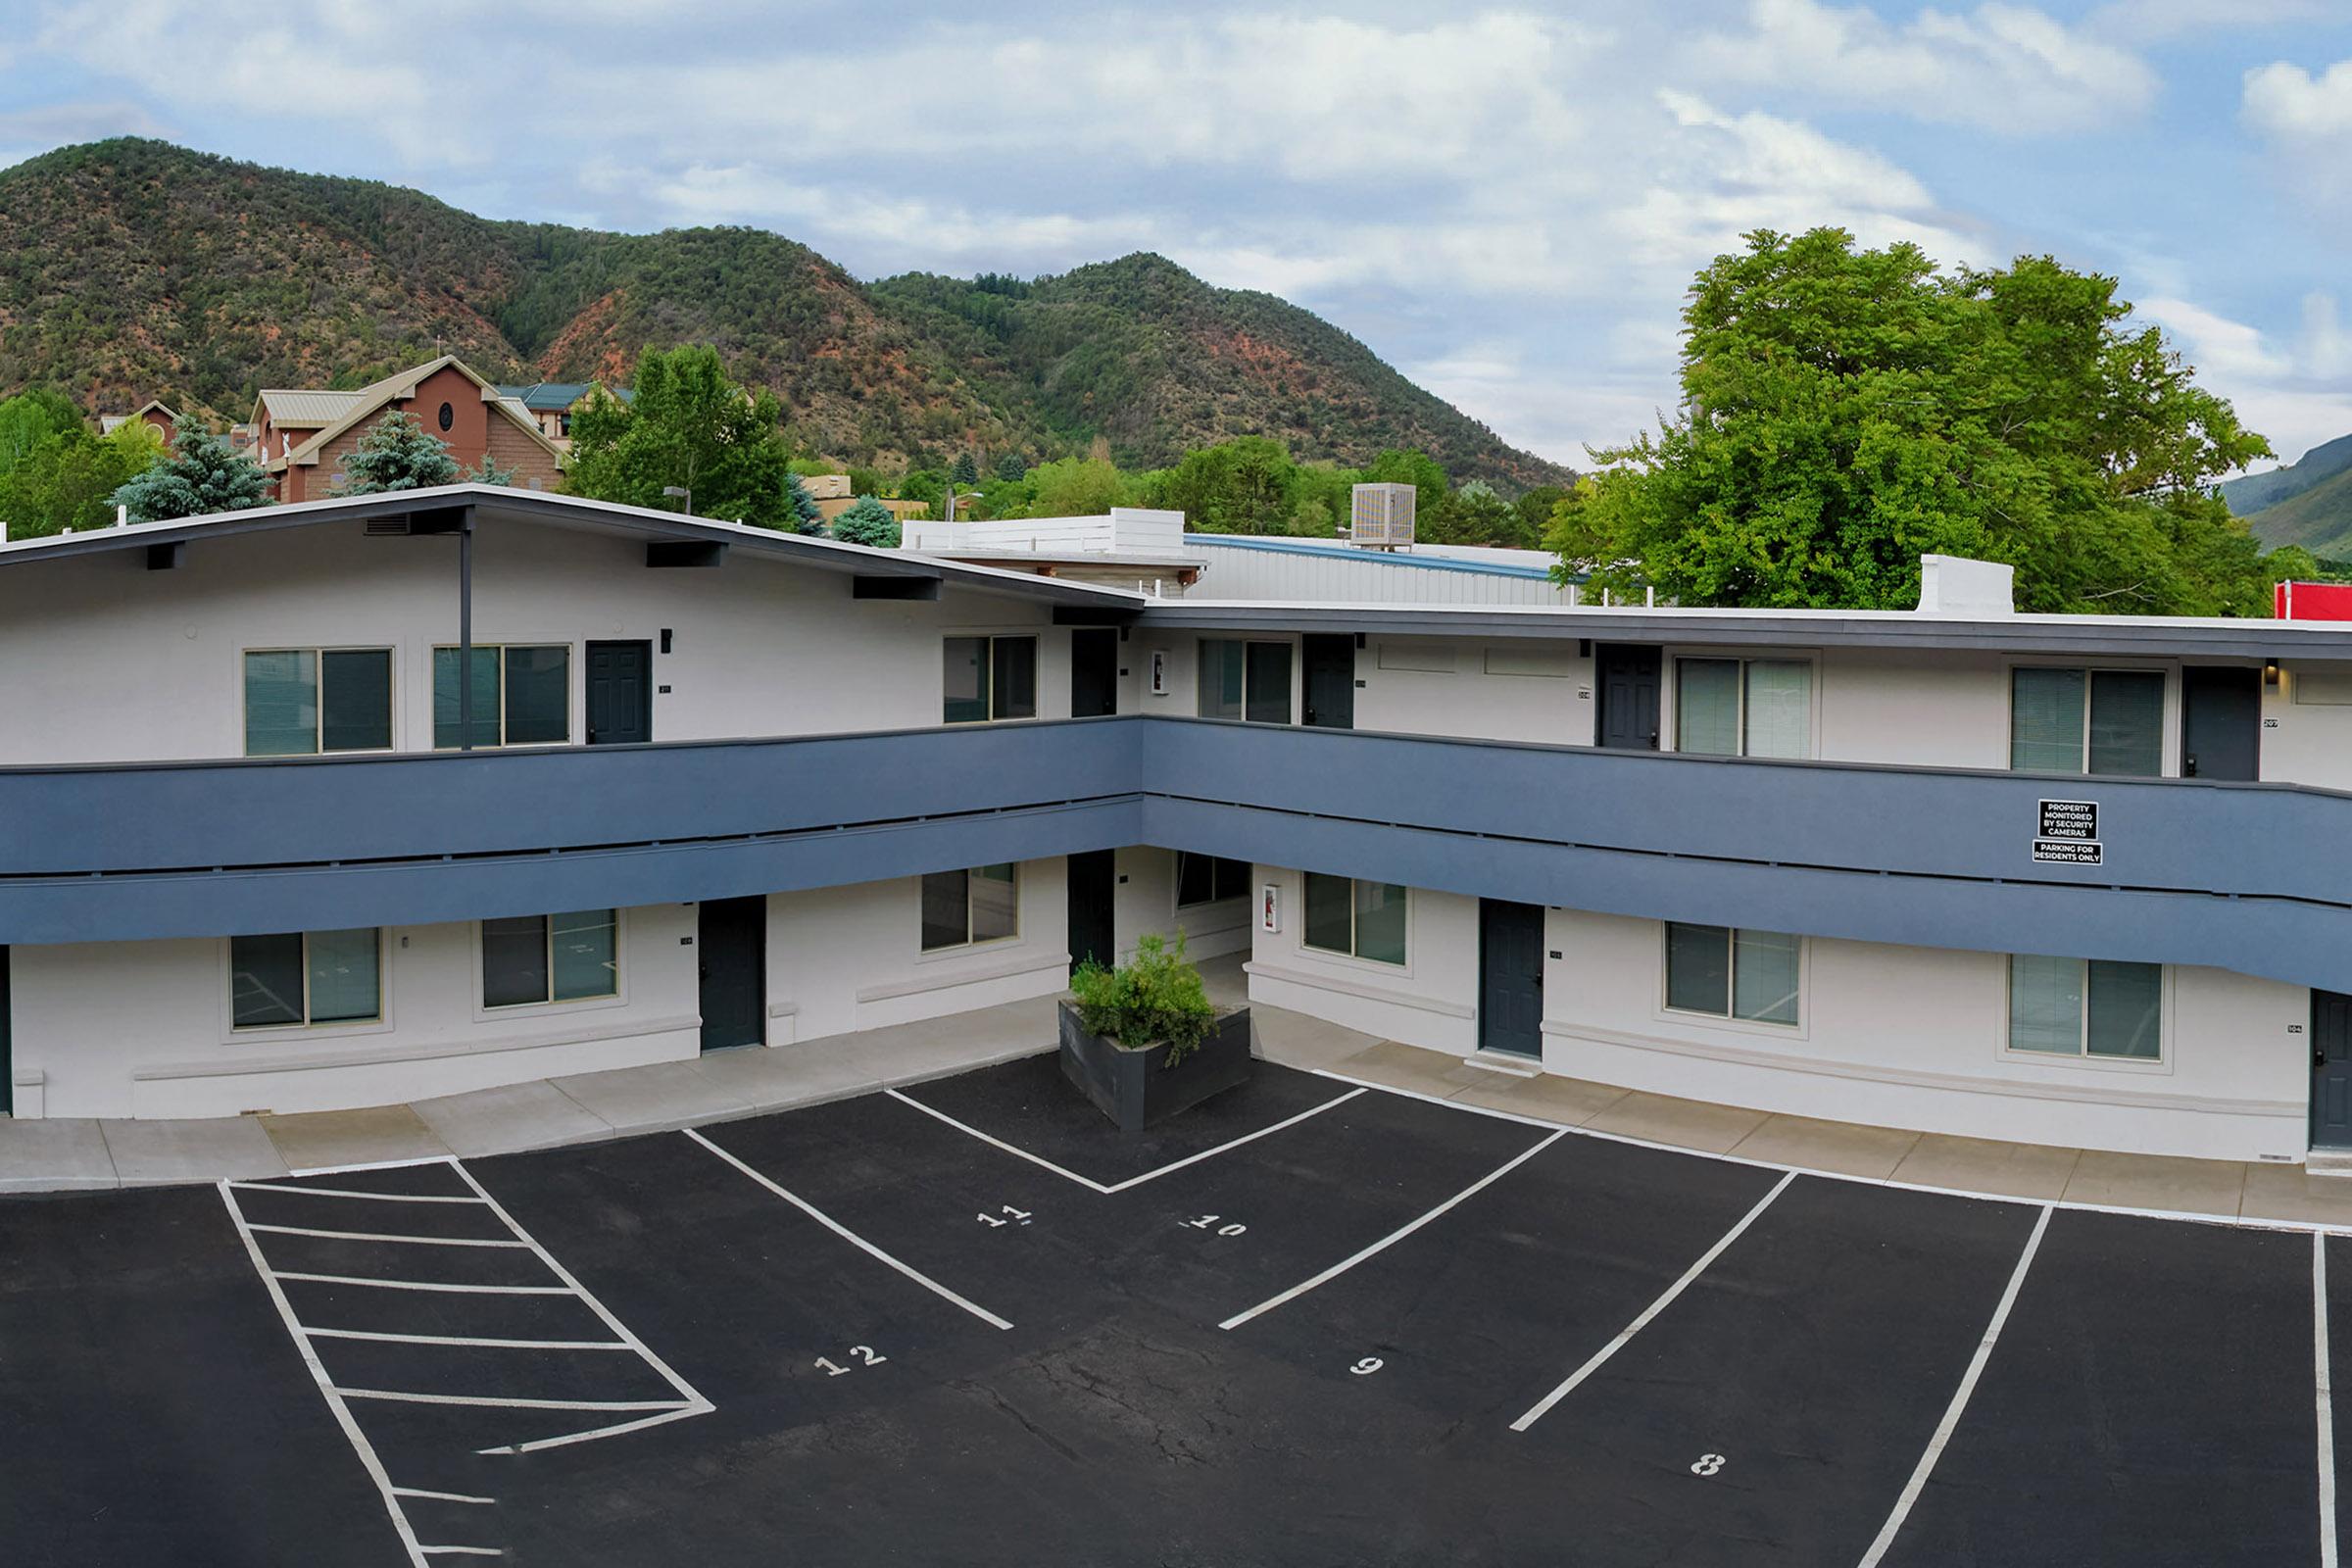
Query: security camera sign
x=2068, y=833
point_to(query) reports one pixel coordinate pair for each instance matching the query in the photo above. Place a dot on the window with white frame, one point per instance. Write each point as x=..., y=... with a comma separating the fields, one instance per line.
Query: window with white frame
x=2089, y=1007
x=1750, y=975
x=989, y=679
x=533, y=958
x=1244, y=680
x=963, y=908
x=1208, y=879
x=1360, y=919
x=304, y=701
x=1743, y=707
x=297, y=978
x=522, y=695
x=2107, y=721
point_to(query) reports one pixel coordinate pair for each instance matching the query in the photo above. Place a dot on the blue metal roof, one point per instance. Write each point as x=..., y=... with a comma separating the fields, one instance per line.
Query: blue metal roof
x=1337, y=551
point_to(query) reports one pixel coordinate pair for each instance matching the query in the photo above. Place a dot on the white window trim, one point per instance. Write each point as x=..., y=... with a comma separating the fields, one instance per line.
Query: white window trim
x=391, y=651
x=572, y=690
x=619, y=998
x=1350, y=957
x=1020, y=892
x=232, y=1032
x=1669, y=715
x=992, y=636
x=2168, y=740
x=1803, y=1029
x=1176, y=887
x=2160, y=1065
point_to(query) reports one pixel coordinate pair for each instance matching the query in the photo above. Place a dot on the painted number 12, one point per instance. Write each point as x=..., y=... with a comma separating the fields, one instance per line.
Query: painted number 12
x=859, y=1356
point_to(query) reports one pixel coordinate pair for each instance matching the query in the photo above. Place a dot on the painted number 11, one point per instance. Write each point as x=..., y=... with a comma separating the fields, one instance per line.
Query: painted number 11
x=1007, y=1215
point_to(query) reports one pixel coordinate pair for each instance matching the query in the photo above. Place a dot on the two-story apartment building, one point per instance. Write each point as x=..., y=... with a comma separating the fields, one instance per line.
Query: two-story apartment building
x=303, y=437
x=358, y=801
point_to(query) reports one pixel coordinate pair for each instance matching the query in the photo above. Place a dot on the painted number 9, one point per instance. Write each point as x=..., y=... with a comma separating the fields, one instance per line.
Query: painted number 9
x=1367, y=1366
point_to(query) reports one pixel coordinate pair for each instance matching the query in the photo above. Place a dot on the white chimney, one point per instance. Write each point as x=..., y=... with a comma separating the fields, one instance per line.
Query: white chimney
x=1954, y=585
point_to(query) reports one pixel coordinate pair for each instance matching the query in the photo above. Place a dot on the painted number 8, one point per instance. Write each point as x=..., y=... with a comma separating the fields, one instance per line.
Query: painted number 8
x=1708, y=1465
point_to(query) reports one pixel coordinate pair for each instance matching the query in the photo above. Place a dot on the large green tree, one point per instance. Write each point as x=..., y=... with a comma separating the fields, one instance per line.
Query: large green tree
x=30, y=418
x=398, y=453
x=203, y=475
x=1846, y=409
x=868, y=522
x=1245, y=485
x=68, y=481
x=688, y=424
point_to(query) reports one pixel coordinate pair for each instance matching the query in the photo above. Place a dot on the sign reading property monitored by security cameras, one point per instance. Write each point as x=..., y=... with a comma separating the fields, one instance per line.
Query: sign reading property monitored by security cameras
x=2068, y=833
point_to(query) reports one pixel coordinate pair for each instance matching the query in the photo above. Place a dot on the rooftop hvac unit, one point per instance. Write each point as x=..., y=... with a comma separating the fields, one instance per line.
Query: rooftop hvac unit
x=1381, y=516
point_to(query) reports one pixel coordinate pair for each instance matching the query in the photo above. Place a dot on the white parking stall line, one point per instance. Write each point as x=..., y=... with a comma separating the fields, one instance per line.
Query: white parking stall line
x=690, y=1401
x=1397, y=1235
x=681, y=1413
x=850, y=1236
x=1011, y=1149
x=477, y=1344
x=438, y=1496
x=461, y=1552
x=1106, y=1189
x=376, y=1235
x=2321, y=1381
x=422, y=1285
x=1960, y=1396
x=1666, y=1300
x=355, y=1192
x=335, y=1401
x=505, y=1402
x=1209, y=1153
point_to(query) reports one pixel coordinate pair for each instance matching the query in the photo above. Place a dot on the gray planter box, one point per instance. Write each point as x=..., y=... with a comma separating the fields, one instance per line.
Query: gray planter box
x=1134, y=1089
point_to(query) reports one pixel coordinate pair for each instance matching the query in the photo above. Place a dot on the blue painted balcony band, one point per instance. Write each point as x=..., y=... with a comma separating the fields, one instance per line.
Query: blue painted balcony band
x=2251, y=878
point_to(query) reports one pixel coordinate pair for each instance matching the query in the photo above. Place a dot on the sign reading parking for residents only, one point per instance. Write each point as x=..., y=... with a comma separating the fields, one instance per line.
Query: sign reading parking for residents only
x=2068, y=833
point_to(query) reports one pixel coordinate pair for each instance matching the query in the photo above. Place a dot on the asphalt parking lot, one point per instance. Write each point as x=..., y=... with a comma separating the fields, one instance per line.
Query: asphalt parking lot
x=1309, y=1323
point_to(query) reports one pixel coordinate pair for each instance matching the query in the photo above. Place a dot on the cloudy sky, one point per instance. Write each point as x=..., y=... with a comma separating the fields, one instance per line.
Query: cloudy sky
x=1504, y=202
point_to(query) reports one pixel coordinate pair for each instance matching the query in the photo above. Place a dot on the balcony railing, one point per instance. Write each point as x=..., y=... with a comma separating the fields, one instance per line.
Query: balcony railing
x=2253, y=877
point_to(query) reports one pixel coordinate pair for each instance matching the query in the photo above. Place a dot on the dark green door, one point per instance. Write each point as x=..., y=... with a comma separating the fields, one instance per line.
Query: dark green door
x=1511, y=984
x=1328, y=663
x=2330, y=1070
x=621, y=692
x=732, y=935
x=1094, y=879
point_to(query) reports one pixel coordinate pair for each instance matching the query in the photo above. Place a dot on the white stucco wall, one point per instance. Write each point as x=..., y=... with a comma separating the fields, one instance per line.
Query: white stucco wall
x=1145, y=904
x=111, y=662
x=2307, y=726
x=142, y=1028
x=843, y=959
x=1915, y=1038
x=1538, y=690
x=1430, y=999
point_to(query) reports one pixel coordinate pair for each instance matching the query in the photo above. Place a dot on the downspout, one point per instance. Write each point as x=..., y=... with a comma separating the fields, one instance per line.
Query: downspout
x=465, y=632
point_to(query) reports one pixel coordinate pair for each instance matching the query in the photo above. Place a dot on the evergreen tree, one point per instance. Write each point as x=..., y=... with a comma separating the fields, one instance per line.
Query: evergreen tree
x=802, y=515
x=965, y=472
x=868, y=522
x=398, y=453
x=1013, y=467
x=202, y=475
x=489, y=472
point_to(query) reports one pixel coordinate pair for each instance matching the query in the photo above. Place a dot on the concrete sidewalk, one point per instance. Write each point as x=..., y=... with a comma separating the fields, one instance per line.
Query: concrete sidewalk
x=48, y=1155
x=67, y=1153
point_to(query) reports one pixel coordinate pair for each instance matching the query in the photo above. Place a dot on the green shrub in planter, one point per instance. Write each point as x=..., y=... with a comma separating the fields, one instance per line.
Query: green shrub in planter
x=1154, y=1000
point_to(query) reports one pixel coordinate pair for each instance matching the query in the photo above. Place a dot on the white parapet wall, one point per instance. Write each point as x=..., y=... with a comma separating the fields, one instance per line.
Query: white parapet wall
x=1122, y=531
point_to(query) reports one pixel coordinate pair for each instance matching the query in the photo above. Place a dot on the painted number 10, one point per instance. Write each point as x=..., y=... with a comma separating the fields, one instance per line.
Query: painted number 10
x=1206, y=1221
x=859, y=1356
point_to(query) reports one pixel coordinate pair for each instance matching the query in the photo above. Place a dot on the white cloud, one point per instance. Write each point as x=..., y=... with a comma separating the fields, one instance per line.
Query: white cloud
x=2295, y=106
x=2289, y=391
x=2007, y=69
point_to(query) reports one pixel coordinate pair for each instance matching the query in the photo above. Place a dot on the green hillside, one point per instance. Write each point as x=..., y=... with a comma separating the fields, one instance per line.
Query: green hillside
x=133, y=269
x=2306, y=502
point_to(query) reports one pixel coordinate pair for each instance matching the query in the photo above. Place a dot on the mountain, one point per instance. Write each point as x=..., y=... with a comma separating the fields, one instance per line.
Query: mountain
x=132, y=268
x=2307, y=503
